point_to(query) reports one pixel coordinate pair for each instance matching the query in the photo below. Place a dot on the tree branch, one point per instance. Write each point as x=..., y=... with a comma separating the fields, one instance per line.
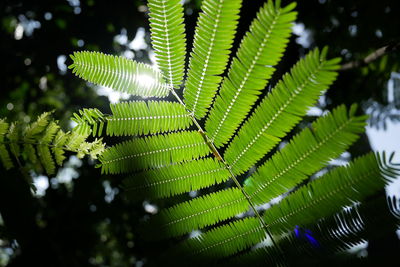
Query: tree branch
x=371, y=57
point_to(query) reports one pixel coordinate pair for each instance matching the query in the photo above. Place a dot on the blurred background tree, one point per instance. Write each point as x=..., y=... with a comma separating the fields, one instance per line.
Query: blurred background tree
x=79, y=217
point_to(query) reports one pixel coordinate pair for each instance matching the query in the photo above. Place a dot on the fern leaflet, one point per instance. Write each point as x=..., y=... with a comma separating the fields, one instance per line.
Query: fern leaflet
x=168, y=38
x=119, y=73
x=212, y=42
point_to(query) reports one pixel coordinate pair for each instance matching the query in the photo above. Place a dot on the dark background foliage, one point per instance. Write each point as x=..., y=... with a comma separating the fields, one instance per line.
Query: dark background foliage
x=85, y=221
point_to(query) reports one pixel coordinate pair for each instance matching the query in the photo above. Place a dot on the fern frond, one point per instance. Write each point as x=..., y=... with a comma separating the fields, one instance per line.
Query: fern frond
x=4, y=155
x=136, y=118
x=213, y=39
x=44, y=143
x=224, y=241
x=44, y=149
x=341, y=186
x=164, y=165
x=198, y=213
x=153, y=151
x=175, y=179
x=306, y=153
x=168, y=38
x=281, y=110
x=260, y=50
x=59, y=141
x=119, y=73
x=37, y=127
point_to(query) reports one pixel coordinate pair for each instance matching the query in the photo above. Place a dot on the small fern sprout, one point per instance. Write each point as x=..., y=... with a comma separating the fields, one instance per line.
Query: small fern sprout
x=218, y=130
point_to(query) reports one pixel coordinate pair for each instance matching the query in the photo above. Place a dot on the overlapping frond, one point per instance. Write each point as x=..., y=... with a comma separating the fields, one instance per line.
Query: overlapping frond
x=136, y=118
x=308, y=152
x=198, y=213
x=175, y=179
x=153, y=151
x=168, y=38
x=339, y=187
x=42, y=144
x=260, y=50
x=213, y=39
x=119, y=73
x=282, y=109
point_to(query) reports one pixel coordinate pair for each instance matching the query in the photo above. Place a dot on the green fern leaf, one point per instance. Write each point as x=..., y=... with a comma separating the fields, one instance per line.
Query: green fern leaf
x=153, y=151
x=37, y=127
x=161, y=166
x=198, y=213
x=281, y=110
x=136, y=118
x=260, y=50
x=59, y=141
x=30, y=153
x=224, y=241
x=175, y=179
x=168, y=38
x=41, y=140
x=44, y=148
x=307, y=153
x=119, y=73
x=212, y=42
